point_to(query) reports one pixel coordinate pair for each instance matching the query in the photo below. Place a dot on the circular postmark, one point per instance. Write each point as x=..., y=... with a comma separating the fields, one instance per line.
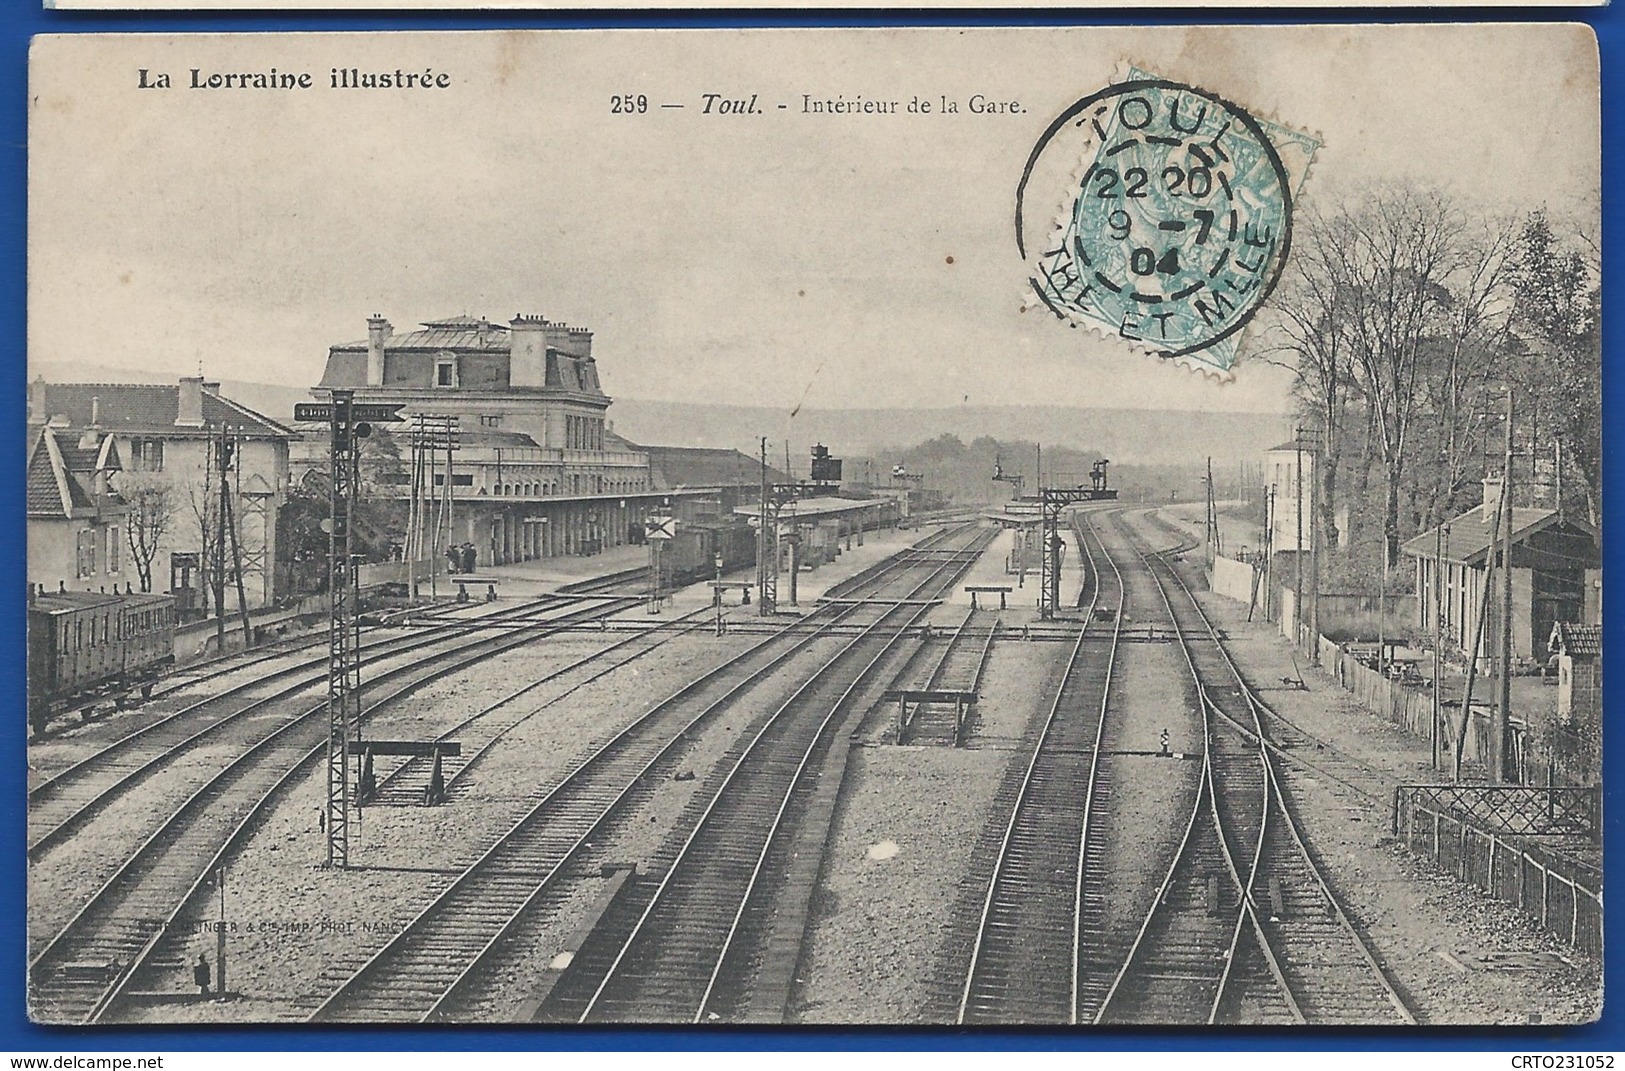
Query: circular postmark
x=1175, y=222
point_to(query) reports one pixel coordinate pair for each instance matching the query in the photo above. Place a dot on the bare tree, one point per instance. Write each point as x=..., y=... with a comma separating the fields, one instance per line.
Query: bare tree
x=1312, y=307
x=1397, y=301
x=1464, y=360
x=151, y=499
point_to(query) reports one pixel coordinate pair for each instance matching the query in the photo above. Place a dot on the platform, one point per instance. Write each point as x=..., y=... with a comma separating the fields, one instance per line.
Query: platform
x=547, y=574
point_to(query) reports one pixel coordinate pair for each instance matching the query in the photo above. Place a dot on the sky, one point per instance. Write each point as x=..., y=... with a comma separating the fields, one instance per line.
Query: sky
x=778, y=259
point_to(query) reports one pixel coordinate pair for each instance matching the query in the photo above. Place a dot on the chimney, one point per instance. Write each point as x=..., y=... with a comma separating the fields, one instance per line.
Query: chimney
x=527, y=354
x=378, y=330
x=96, y=412
x=36, y=401
x=190, y=410
x=1492, y=497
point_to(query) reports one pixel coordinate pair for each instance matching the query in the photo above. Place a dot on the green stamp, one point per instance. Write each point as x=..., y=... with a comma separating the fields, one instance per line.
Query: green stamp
x=1176, y=228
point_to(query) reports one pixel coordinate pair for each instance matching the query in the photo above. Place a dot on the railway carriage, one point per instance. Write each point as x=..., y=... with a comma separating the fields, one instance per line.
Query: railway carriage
x=84, y=645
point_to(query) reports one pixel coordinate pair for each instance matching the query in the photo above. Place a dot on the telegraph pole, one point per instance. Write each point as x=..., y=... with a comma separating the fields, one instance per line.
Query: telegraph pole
x=1503, y=706
x=237, y=548
x=1313, y=438
x=414, y=537
x=1268, y=540
x=1440, y=535
x=1297, y=551
x=217, y=567
x=763, y=544
x=1207, y=516
x=1315, y=507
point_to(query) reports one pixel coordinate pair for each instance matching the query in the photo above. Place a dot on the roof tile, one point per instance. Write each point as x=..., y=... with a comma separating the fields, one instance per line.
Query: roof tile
x=1584, y=641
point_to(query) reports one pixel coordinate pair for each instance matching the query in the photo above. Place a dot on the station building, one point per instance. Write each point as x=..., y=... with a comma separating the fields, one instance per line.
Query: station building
x=538, y=471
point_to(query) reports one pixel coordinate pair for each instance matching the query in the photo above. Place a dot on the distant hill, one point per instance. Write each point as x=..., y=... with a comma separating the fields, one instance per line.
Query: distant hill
x=1127, y=436
x=1132, y=436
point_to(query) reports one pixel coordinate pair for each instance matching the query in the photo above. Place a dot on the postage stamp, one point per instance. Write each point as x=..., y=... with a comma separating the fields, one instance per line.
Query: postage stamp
x=1174, y=231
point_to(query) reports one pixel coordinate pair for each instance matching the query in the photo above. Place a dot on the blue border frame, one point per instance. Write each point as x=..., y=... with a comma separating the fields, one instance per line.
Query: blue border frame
x=24, y=18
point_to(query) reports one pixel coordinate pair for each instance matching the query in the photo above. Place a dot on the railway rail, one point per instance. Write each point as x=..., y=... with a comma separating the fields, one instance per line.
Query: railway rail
x=1291, y=742
x=1029, y=962
x=228, y=665
x=959, y=667
x=431, y=970
x=685, y=948
x=406, y=781
x=1245, y=927
x=77, y=974
x=237, y=718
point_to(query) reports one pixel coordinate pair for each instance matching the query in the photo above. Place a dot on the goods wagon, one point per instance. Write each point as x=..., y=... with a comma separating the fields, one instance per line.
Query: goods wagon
x=690, y=555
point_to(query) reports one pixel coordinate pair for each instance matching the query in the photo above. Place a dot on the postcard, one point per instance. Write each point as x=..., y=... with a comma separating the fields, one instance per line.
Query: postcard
x=935, y=527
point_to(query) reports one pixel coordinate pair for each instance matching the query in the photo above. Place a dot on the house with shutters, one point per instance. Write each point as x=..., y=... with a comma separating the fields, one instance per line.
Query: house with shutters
x=146, y=460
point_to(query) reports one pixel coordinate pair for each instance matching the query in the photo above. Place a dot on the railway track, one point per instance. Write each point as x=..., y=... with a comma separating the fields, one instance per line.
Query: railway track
x=627, y=582
x=407, y=780
x=1292, y=743
x=237, y=718
x=431, y=970
x=959, y=668
x=686, y=947
x=77, y=974
x=1030, y=960
x=1245, y=927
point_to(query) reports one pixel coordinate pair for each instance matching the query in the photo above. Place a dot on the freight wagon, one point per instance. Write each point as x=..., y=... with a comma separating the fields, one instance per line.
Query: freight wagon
x=690, y=555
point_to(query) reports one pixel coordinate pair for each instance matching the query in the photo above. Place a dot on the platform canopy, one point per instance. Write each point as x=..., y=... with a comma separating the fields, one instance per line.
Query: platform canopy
x=808, y=509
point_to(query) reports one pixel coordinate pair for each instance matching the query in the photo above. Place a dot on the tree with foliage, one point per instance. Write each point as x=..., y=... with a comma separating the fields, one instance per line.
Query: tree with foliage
x=379, y=520
x=1557, y=319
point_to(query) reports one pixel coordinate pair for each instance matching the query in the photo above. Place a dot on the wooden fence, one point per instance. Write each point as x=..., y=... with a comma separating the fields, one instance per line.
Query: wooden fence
x=1410, y=708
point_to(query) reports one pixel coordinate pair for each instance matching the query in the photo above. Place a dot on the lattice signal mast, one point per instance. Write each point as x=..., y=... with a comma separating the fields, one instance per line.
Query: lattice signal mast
x=1055, y=502
x=343, y=639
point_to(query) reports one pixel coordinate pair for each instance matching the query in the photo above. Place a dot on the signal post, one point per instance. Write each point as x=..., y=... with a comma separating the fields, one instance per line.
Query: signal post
x=348, y=423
